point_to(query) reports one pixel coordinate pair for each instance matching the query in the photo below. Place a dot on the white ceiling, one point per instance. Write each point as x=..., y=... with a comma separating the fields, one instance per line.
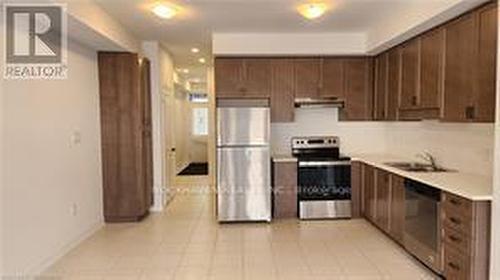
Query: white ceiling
x=200, y=18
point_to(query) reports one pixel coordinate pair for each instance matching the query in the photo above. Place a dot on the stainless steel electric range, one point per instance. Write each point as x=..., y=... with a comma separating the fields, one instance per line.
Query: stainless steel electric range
x=324, y=178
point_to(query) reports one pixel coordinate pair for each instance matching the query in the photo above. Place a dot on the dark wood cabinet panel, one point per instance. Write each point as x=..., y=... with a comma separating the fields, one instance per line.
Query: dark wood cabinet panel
x=470, y=69
x=332, y=77
x=307, y=77
x=369, y=193
x=431, y=72
x=282, y=90
x=229, y=77
x=397, y=208
x=484, y=99
x=356, y=189
x=285, y=190
x=125, y=109
x=358, y=89
x=410, y=69
x=393, y=83
x=147, y=140
x=466, y=237
x=381, y=83
x=257, y=77
x=460, y=58
x=382, y=199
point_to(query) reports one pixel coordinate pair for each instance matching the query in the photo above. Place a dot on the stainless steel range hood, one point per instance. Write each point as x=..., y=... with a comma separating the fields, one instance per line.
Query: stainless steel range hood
x=327, y=102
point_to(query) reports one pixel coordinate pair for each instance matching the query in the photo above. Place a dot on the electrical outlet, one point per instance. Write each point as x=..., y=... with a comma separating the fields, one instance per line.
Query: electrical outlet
x=74, y=209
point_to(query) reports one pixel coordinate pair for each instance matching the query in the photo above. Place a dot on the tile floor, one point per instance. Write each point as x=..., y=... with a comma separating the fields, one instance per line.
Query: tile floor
x=186, y=243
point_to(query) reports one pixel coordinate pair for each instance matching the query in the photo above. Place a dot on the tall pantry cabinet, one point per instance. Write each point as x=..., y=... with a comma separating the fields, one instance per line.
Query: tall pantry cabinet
x=125, y=105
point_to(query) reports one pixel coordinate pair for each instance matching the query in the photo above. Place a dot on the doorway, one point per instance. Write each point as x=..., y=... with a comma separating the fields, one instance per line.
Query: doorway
x=189, y=147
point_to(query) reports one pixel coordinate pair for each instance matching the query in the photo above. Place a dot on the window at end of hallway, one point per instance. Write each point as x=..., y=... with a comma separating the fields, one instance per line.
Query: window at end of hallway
x=200, y=121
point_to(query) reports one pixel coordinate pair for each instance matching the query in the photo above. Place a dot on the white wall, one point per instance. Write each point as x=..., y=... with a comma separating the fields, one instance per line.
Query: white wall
x=411, y=18
x=198, y=145
x=465, y=147
x=167, y=87
x=162, y=84
x=495, y=236
x=182, y=129
x=2, y=185
x=151, y=50
x=355, y=137
x=52, y=195
x=288, y=43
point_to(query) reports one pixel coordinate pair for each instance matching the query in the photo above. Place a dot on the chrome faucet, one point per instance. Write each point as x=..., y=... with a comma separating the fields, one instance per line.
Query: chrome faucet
x=429, y=158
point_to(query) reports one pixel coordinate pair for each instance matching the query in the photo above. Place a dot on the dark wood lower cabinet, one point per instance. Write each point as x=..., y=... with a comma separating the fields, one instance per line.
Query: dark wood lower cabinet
x=369, y=193
x=466, y=237
x=383, y=191
x=125, y=108
x=356, y=189
x=285, y=190
x=397, y=208
x=465, y=225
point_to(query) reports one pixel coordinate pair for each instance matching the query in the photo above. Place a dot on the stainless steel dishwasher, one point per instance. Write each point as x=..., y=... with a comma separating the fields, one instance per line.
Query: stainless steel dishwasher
x=422, y=223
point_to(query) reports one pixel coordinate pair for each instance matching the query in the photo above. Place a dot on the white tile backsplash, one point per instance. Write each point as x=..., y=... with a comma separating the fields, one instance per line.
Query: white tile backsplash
x=465, y=147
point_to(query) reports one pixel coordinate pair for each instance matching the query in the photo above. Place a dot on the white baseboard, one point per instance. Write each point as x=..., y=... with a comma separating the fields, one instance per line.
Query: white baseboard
x=51, y=260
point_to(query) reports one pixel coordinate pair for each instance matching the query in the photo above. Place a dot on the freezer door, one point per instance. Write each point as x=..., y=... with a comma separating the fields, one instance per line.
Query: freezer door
x=243, y=184
x=243, y=126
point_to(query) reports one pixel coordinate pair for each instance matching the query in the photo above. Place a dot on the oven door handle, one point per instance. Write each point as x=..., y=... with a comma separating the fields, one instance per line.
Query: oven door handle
x=323, y=163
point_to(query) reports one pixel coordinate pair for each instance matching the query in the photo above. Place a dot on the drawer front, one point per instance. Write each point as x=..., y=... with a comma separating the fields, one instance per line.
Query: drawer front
x=457, y=222
x=457, y=205
x=456, y=265
x=456, y=240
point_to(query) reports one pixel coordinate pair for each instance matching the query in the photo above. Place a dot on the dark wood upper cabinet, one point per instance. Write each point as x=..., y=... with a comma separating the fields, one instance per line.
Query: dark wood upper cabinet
x=460, y=71
x=242, y=77
x=381, y=83
x=470, y=63
x=410, y=68
x=332, y=77
x=282, y=90
x=307, y=77
x=229, y=77
x=484, y=98
x=431, y=68
x=257, y=77
x=393, y=83
x=358, y=89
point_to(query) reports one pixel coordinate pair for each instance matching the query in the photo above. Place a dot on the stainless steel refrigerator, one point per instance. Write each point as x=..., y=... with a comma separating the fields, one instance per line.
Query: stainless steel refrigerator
x=243, y=163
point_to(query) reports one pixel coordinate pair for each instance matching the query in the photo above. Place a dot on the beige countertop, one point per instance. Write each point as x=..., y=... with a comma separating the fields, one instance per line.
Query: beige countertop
x=284, y=158
x=470, y=186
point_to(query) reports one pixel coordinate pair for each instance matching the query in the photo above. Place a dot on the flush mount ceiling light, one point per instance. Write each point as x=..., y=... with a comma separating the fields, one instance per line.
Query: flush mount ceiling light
x=195, y=50
x=202, y=60
x=312, y=10
x=166, y=11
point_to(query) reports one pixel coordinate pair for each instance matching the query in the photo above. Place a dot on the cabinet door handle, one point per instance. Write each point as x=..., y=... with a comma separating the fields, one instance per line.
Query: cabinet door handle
x=455, y=202
x=453, y=266
x=455, y=221
x=455, y=238
x=470, y=112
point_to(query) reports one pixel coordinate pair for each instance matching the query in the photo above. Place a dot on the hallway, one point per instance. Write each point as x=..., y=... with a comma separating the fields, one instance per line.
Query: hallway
x=185, y=242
